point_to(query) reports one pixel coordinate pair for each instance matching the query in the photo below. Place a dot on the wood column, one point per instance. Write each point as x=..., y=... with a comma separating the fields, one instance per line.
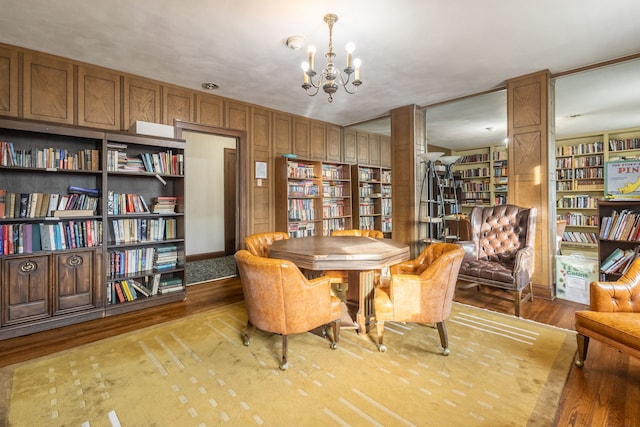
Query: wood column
x=407, y=130
x=530, y=128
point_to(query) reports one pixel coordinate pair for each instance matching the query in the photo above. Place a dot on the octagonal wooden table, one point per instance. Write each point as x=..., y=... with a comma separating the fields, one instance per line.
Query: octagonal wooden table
x=361, y=256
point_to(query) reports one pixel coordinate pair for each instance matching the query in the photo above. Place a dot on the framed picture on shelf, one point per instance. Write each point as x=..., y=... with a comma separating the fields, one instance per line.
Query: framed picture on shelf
x=622, y=179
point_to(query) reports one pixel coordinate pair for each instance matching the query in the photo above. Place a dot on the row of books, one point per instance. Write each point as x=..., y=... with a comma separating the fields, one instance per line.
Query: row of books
x=133, y=230
x=335, y=190
x=164, y=204
x=126, y=203
x=300, y=170
x=623, y=225
x=40, y=205
x=301, y=210
x=579, y=219
x=303, y=188
x=49, y=158
x=130, y=261
x=578, y=149
x=331, y=210
x=624, y=144
x=335, y=172
x=121, y=291
x=578, y=201
x=329, y=225
x=166, y=163
x=25, y=238
x=579, y=237
x=302, y=229
x=619, y=260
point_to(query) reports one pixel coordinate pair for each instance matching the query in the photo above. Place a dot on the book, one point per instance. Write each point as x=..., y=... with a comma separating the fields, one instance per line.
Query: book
x=71, y=213
x=613, y=257
x=3, y=201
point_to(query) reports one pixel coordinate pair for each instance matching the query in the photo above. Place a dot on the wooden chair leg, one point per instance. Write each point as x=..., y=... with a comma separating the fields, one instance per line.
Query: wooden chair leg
x=518, y=298
x=246, y=333
x=336, y=334
x=283, y=364
x=583, y=346
x=444, y=339
x=380, y=330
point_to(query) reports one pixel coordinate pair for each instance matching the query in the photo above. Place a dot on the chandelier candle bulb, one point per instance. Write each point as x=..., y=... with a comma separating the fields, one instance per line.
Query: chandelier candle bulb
x=350, y=49
x=311, y=52
x=305, y=68
x=357, y=63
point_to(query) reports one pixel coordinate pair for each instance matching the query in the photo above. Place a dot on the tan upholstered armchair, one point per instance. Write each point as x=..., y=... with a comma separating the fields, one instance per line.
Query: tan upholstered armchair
x=376, y=234
x=420, y=290
x=613, y=316
x=500, y=252
x=258, y=244
x=280, y=300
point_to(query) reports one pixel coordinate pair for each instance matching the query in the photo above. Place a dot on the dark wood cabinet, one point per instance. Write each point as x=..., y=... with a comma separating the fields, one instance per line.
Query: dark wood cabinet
x=25, y=289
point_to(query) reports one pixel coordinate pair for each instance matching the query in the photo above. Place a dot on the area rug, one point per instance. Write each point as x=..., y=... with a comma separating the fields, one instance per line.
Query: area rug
x=210, y=269
x=502, y=371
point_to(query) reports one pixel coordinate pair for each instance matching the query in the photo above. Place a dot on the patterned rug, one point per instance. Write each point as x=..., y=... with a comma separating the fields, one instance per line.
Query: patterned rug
x=502, y=371
x=211, y=269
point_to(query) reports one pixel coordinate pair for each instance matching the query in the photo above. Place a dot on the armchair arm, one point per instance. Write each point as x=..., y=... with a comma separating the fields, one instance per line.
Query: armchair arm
x=405, y=267
x=470, y=250
x=523, y=266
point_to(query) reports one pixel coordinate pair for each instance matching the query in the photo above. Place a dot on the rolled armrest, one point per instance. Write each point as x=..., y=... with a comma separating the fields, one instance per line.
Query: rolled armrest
x=470, y=250
x=523, y=265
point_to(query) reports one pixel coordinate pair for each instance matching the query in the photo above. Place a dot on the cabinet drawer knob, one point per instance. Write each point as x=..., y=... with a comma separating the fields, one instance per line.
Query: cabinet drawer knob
x=74, y=261
x=28, y=267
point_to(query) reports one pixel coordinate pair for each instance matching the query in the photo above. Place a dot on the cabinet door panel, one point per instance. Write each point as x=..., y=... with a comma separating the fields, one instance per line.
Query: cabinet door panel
x=98, y=98
x=8, y=82
x=48, y=89
x=74, y=281
x=25, y=293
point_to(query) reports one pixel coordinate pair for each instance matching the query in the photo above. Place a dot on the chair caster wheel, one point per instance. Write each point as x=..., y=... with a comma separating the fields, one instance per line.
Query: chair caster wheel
x=246, y=342
x=382, y=348
x=446, y=352
x=284, y=366
x=579, y=363
x=333, y=345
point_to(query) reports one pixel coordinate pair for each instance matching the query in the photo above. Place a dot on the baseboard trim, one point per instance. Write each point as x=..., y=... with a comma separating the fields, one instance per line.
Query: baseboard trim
x=203, y=256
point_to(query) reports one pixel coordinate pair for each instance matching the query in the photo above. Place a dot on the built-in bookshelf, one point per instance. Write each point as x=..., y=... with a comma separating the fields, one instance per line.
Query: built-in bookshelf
x=484, y=174
x=580, y=182
x=56, y=224
x=618, y=236
x=145, y=250
x=372, y=198
x=313, y=198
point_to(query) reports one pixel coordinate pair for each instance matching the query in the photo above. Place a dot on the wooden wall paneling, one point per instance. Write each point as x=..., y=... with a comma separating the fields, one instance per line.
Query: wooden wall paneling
x=374, y=149
x=99, y=98
x=47, y=89
x=362, y=139
x=403, y=185
x=301, y=137
x=334, y=150
x=8, y=82
x=385, y=151
x=209, y=110
x=141, y=101
x=177, y=103
x=529, y=106
x=318, y=141
x=237, y=116
x=261, y=217
x=282, y=135
x=349, y=146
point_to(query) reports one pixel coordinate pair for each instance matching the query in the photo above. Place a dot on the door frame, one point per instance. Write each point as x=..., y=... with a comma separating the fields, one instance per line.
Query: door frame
x=242, y=168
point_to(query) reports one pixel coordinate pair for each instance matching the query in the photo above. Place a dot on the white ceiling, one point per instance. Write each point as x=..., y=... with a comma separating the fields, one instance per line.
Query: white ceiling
x=413, y=51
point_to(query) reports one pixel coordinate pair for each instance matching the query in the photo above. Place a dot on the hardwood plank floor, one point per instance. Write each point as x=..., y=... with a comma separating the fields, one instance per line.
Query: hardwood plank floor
x=603, y=393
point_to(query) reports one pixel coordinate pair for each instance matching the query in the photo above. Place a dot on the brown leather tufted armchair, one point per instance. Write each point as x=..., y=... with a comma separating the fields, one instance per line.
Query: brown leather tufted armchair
x=613, y=316
x=500, y=252
x=258, y=244
x=279, y=299
x=420, y=290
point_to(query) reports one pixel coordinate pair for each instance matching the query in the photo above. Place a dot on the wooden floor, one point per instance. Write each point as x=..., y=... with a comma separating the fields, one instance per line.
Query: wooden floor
x=605, y=392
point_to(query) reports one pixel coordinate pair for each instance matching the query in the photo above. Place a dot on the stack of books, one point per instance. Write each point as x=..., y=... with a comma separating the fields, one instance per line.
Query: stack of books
x=164, y=205
x=166, y=257
x=171, y=284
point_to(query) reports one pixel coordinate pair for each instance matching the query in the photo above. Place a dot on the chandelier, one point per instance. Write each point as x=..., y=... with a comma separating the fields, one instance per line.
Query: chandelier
x=330, y=78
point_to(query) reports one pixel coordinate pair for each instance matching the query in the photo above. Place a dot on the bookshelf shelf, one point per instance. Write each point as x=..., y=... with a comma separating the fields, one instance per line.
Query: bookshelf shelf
x=55, y=223
x=372, y=198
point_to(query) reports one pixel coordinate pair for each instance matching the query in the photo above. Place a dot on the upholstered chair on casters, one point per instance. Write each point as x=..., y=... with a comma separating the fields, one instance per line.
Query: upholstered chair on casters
x=281, y=300
x=420, y=291
x=613, y=316
x=258, y=244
